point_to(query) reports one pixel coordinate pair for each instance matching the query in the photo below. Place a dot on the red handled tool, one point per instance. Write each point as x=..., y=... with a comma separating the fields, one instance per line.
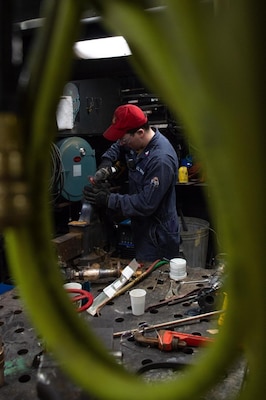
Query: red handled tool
x=81, y=295
x=171, y=340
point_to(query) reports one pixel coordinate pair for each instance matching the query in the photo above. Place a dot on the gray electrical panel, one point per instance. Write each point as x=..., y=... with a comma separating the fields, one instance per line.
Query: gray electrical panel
x=97, y=98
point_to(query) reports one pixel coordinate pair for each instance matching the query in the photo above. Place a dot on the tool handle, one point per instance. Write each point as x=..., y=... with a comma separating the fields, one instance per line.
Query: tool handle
x=166, y=339
x=81, y=295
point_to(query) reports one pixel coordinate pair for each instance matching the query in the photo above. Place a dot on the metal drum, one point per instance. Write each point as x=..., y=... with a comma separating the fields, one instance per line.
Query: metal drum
x=78, y=160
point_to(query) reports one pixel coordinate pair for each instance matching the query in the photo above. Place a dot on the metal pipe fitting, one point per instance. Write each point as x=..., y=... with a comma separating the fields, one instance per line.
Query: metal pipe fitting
x=93, y=274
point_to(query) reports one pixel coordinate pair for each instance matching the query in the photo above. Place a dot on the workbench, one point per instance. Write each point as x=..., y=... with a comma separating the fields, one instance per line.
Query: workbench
x=114, y=326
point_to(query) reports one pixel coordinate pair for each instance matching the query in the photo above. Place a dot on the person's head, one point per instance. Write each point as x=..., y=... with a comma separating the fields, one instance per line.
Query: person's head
x=129, y=125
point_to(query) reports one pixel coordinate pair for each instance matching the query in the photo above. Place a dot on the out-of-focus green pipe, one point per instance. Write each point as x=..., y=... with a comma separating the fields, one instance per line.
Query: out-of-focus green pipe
x=206, y=69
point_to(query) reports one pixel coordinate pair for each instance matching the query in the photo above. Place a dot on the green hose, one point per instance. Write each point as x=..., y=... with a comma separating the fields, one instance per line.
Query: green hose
x=207, y=70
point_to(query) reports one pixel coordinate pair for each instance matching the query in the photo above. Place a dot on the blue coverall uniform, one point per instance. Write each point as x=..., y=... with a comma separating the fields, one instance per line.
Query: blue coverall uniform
x=151, y=199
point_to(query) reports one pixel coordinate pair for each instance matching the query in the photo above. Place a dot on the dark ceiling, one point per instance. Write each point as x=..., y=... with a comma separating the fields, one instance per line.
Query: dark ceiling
x=22, y=18
x=25, y=9
x=27, y=13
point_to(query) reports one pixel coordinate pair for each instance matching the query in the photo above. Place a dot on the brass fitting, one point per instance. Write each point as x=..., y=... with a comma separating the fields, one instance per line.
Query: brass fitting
x=14, y=198
x=95, y=272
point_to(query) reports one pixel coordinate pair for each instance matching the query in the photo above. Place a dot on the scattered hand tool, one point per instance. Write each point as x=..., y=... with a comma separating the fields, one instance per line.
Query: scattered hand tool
x=156, y=264
x=196, y=282
x=174, y=300
x=173, y=290
x=173, y=323
x=110, y=291
x=81, y=295
x=158, y=279
x=171, y=340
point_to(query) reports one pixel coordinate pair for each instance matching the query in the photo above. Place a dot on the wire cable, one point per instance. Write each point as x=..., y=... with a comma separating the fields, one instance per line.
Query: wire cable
x=57, y=179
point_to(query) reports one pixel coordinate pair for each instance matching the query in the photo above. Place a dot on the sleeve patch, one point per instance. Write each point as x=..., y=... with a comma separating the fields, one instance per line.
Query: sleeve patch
x=155, y=182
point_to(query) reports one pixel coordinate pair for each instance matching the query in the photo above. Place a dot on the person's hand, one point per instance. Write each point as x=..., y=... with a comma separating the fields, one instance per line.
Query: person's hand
x=96, y=196
x=104, y=171
x=101, y=176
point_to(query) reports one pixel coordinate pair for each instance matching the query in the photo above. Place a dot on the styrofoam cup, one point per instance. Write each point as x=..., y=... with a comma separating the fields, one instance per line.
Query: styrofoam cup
x=137, y=300
x=178, y=269
x=73, y=285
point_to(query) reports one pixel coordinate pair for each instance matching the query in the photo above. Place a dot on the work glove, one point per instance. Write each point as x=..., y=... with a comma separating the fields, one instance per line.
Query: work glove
x=103, y=174
x=105, y=163
x=104, y=171
x=97, y=196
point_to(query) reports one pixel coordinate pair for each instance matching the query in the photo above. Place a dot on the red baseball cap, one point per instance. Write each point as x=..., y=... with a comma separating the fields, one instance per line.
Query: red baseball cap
x=126, y=118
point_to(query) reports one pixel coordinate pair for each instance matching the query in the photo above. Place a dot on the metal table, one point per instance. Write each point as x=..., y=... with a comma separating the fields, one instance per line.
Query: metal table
x=113, y=326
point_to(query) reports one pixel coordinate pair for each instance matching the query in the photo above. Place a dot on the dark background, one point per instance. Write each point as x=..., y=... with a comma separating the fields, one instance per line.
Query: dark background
x=110, y=81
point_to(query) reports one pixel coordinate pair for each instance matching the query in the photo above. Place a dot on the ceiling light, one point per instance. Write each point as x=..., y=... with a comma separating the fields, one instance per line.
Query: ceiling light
x=108, y=47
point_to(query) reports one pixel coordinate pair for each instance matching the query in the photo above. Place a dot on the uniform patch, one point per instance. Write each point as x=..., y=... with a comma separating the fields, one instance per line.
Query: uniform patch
x=140, y=170
x=155, y=182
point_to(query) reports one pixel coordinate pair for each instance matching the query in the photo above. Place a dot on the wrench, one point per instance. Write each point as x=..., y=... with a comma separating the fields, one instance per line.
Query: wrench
x=195, y=282
x=173, y=291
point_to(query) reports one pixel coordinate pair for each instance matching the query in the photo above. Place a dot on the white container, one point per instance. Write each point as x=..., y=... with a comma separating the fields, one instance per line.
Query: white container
x=74, y=285
x=137, y=300
x=178, y=269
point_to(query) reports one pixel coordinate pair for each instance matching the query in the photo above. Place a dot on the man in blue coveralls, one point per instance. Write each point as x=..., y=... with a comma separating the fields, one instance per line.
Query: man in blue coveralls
x=152, y=174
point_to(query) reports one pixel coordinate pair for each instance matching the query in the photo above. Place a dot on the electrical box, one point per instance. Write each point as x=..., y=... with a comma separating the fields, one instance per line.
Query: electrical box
x=78, y=162
x=98, y=99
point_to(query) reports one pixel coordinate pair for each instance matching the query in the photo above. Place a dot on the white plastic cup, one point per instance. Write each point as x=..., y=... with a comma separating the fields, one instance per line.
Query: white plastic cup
x=178, y=269
x=137, y=299
x=73, y=285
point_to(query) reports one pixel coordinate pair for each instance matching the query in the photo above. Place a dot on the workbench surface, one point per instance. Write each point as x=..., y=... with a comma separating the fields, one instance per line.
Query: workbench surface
x=114, y=325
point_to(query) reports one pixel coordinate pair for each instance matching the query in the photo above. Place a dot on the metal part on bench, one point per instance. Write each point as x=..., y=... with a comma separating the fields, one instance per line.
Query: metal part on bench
x=23, y=347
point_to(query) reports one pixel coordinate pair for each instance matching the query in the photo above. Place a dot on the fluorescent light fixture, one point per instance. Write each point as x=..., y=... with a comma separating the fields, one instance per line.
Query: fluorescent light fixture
x=108, y=47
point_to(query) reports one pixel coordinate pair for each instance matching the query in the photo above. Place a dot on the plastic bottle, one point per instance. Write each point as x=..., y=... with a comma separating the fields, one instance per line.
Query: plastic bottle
x=182, y=175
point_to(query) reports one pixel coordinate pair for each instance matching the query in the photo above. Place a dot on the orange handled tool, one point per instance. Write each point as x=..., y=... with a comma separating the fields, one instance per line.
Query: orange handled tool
x=170, y=340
